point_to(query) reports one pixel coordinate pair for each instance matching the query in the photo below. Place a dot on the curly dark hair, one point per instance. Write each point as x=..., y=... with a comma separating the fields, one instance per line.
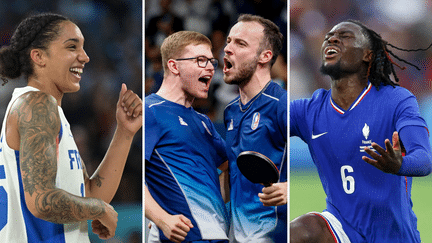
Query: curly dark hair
x=382, y=65
x=36, y=31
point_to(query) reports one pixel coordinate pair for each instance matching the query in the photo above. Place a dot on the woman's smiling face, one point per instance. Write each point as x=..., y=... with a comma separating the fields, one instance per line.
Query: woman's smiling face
x=65, y=58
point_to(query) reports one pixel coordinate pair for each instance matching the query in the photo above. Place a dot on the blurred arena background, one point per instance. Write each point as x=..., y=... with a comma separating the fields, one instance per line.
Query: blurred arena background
x=113, y=40
x=404, y=23
x=212, y=18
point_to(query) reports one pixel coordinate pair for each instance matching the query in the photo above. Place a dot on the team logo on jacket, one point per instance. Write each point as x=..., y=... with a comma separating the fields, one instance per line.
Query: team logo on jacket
x=206, y=128
x=231, y=125
x=366, y=131
x=182, y=122
x=255, y=120
x=366, y=142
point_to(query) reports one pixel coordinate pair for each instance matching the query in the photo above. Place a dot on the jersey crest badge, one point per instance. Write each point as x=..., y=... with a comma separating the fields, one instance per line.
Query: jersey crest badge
x=206, y=128
x=366, y=143
x=255, y=120
x=366, y=131
x=182, y=122
x=231, y=125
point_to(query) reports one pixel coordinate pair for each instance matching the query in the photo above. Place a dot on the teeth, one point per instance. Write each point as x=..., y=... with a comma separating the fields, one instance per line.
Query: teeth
x=205, y=78
x=76, y=70
x=331, y=51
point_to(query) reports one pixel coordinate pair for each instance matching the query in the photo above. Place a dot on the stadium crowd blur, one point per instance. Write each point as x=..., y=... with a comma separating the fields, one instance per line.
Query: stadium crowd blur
x=405, y=24
x=113, y=41
x=212, y=18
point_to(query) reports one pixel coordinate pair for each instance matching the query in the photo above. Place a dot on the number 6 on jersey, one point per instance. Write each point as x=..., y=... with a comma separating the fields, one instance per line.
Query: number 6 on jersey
x=347, y=179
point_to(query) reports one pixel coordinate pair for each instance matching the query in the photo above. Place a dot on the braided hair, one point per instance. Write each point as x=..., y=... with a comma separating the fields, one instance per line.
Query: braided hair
x=382, y=65
x=36, y=31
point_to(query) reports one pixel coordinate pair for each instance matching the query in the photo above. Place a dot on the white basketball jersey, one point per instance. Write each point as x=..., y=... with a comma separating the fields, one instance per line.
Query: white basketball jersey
x=17, y=224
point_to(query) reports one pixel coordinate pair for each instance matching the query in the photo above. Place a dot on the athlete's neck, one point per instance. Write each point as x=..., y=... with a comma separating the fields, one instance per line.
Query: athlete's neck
x=46, y=88
x=345, y=91
x=172, y=91
x=253, y=87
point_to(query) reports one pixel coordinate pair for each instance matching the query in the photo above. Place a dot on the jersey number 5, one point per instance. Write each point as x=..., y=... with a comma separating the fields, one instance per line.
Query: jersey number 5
x=348, y=182
x=3, y=200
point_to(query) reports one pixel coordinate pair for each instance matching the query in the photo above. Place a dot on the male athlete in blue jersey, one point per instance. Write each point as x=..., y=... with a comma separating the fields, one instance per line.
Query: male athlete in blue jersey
x=256, y=121
x=347, y=128
x=182, y=148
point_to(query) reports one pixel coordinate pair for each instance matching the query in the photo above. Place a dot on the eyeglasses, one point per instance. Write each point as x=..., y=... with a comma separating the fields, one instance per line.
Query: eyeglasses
x=202, y=61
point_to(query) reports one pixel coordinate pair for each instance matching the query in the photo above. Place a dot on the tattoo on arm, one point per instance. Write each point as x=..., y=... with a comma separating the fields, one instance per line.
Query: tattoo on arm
x=95, y=177
x=39, y=125
x=61, y=207
x=98, y=180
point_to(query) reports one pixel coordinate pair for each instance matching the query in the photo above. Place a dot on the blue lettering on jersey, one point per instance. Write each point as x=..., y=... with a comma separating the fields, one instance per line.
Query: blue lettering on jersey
x=82, y=189
x=3, y=200
x=2, y=172
x=74, y=156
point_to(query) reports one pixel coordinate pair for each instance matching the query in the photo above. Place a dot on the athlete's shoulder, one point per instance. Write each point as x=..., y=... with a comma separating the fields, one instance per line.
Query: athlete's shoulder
x=317, y=99
x=274, y=90
x=153, y=100
x=35, y=102
x=401, y=91
x=320, y=94
x=233, y=103
x=29, y=94
x=153, y=105
x=201, y=116
x=39, y=96
x=395, y=94
x=392, y=89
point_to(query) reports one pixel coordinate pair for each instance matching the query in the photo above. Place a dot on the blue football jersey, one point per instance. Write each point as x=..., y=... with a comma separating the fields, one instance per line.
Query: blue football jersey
x=261, y=126
x=372, y=206
x=182, y=152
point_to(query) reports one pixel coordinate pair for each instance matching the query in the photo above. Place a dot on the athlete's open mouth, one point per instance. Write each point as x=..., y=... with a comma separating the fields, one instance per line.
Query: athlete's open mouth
x=331, y=51
x=76, y=71
x=227, y=65
x=205, y=79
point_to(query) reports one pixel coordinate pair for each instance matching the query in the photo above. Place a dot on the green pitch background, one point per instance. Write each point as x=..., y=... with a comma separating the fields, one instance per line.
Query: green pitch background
x=306, y=195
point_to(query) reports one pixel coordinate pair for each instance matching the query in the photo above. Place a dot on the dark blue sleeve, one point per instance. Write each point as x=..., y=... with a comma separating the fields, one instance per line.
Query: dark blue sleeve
x=219, y=143
x=418, y=159
x=151, y=132
x=297, y=118
x=407, y=110
x=282, y=115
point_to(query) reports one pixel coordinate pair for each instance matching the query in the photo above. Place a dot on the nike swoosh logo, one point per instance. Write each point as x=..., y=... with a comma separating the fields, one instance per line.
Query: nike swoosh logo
x=319, y=135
